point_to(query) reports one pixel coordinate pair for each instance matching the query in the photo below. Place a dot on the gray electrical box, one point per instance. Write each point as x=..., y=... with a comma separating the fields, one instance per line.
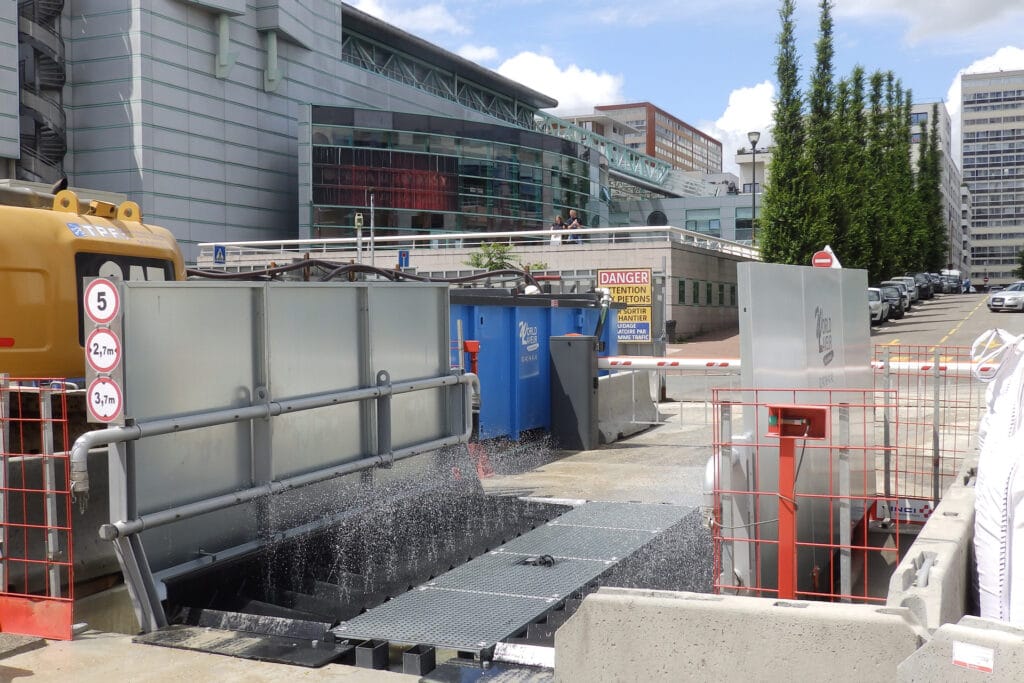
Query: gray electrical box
x=574, y=392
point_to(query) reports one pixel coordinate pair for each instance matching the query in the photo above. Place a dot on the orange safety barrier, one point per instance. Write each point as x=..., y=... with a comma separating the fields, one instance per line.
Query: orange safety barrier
x=36, y=568
x=798, y=485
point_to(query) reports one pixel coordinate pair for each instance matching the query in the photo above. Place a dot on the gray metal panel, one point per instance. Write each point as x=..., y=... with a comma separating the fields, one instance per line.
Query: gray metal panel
x=409, y=339
x=196, y=346
x=492, y=597
x=313, y=345
x=801, y=328
x=9, y=104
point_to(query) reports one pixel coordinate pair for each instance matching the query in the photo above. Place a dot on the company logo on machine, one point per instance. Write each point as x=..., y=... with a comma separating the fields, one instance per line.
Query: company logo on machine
x=908, y=510
x=528, y=337
x=823, y=333
x=80, y=230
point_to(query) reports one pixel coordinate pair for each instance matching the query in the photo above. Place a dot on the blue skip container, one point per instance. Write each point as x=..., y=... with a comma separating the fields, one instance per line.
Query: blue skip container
x=514, y=363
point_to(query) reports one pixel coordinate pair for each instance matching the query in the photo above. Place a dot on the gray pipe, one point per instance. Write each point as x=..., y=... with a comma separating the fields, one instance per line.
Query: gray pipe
x=105, y=437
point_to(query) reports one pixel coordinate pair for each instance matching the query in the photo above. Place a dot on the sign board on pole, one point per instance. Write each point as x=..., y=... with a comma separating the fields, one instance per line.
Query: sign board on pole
x=821, y=259
x=633, y=287
x=104, y=374
x=403, y=258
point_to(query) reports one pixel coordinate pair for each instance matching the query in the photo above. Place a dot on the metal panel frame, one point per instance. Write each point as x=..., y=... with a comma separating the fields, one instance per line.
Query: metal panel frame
x=207, y=441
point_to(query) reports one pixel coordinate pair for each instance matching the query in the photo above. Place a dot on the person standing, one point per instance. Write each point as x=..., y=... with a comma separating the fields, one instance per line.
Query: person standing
x=556, y=229
x=574, y=224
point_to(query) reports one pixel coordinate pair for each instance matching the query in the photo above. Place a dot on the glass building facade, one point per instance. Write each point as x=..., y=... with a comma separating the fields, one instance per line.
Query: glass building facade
x=437, y=174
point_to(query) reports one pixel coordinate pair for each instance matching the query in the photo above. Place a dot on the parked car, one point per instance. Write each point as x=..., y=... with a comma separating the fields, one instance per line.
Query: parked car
x=894, y=295
x=952, y=284
x=938, y=286
x=878, y=306
x=924, y=285
x=915, y=294
x=1007, y=299
x=904, y=290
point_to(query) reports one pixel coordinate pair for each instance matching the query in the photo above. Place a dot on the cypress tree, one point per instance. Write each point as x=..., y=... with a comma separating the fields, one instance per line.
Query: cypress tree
x=937, y=251
x=821, y=141
x=783, y=211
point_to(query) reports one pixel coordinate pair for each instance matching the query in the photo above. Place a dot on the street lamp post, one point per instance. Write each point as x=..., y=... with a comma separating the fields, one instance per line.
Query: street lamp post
x=753, y=136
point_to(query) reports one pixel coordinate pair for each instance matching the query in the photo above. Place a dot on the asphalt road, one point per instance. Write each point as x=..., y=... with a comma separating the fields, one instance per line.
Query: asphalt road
x=946, y=320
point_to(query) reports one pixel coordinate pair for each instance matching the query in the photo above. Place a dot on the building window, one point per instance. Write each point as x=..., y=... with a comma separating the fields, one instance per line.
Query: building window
x=708, y=292
x=919, y=118
x=707, y=221
x=696, y=293
x=721, y=294
x=732, y=295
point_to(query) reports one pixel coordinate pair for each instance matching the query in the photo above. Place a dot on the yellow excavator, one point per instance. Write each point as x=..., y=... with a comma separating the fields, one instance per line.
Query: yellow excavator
x=50, y=242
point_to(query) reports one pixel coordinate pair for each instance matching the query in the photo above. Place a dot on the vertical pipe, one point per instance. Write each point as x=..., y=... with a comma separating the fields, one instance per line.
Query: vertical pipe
x=726, y=500
x=461, y=365
x=50, y=494
x=936, y=410
x=787, y=519
x=372, y=254
x=886, y=437
x=845, y=521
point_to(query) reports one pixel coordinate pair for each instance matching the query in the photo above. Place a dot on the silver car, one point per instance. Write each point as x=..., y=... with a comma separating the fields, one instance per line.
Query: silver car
x=878, y=306
x=904, y=290
x=1008, y=299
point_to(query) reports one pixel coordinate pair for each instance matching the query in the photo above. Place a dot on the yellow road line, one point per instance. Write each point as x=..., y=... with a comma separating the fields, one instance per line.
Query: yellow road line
x=960, y=324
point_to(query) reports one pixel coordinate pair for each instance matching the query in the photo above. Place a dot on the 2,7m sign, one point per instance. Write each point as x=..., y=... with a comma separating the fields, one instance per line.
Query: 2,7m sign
x=630, y=286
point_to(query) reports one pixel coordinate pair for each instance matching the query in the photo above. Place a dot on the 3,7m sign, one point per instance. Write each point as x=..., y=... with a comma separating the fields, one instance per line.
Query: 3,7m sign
x=630, y=286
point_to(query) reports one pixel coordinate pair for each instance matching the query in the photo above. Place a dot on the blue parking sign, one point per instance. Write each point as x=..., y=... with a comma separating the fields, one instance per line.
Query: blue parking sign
x=220, y=254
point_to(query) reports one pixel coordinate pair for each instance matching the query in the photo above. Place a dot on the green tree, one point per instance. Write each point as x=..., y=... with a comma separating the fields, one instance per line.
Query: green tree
x=852, y=241
x=492, y=256
x=824, y=199
x=783, y=211
x=1019, y=270
x=935, y=248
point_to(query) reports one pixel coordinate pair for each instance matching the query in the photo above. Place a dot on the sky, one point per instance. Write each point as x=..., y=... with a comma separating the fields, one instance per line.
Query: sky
x=712, y=63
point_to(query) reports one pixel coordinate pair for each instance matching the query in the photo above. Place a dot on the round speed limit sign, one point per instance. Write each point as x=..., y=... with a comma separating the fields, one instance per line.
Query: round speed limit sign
x=104, y=399
x=102, y=302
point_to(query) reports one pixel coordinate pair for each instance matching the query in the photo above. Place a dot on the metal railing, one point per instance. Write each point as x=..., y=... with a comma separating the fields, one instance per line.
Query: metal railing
x=244, y=253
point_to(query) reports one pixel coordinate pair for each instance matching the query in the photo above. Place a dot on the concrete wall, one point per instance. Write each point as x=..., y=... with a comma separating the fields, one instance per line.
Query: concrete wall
x=972, y=650
x=934, y=578
x=630, y=635
x=624, y=405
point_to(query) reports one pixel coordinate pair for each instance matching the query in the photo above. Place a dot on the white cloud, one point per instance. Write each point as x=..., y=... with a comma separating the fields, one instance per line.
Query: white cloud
x=749, y=109
x=931, y=18
x=577, y=90
x=431, y=18
x=1004, y=59
x=478, y=53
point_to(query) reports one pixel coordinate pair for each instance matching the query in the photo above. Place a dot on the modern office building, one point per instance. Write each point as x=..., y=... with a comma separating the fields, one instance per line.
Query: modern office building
x=663, y=136
x=202, y=111
x=920, y=120
x=992, y=121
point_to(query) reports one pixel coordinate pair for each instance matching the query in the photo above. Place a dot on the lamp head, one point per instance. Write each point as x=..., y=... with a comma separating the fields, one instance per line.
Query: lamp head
x=754, y=136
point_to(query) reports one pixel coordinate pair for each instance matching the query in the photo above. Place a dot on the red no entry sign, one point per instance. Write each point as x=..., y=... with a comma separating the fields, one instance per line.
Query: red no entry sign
x=821, y=259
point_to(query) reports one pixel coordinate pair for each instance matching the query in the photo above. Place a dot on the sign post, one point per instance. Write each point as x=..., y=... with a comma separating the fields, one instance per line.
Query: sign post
x=103, y=351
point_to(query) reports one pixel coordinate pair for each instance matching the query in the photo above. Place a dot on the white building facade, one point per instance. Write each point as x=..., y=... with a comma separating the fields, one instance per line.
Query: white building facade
x=993, y=169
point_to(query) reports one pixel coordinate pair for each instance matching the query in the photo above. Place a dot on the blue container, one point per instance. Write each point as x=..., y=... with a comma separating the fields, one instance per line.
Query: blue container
x=514, y=360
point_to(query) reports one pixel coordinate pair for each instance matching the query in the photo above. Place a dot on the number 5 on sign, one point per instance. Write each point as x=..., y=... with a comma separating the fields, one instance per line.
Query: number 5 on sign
x=102, y=302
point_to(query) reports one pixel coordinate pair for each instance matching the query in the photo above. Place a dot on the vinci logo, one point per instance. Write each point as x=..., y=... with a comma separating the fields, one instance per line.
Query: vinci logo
x=528, y=336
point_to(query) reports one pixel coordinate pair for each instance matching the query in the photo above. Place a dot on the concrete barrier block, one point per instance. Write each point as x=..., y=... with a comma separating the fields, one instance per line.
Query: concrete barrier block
x=934, y=577
x=974, y=649
x=624, y=405
x=630, y=635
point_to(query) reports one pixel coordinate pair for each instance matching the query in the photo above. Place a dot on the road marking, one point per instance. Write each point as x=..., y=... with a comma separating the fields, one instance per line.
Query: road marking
x=894, y=342
x=960, y=324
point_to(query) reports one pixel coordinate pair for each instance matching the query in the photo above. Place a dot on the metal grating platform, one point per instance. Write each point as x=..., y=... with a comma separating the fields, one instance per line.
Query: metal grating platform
x=489, y=599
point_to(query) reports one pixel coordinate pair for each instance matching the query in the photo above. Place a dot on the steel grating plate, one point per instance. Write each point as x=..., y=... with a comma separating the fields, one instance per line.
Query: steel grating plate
x=500, y=572
x=624, y=516
x=489, y=599
x=579, y=542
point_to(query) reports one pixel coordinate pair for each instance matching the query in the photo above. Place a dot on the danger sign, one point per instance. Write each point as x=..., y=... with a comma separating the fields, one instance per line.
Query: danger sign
x=630, y=286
